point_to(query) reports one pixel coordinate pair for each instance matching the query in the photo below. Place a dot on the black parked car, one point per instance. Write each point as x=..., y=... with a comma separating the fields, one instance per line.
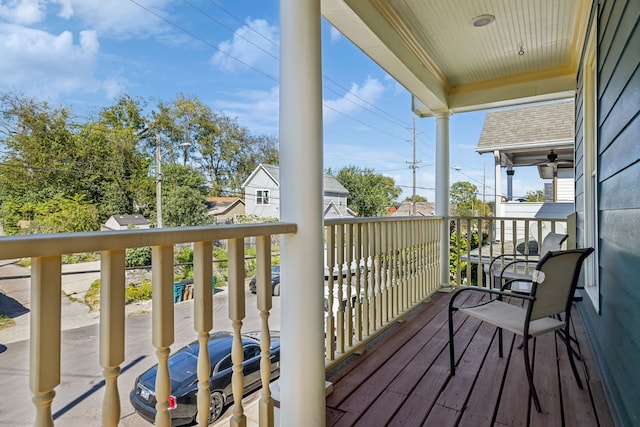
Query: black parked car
x=275, y=281
x=184, y=381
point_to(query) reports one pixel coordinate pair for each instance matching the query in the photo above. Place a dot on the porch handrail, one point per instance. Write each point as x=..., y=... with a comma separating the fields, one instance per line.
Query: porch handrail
x=376, y=271
x=46, y=253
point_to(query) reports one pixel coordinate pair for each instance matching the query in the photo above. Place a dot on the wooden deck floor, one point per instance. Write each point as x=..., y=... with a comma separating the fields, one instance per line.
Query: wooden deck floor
x=403, y=378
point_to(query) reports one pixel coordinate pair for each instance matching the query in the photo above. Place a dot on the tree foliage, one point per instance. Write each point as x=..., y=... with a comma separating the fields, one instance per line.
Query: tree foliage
x=419, y=198
x=60, y=174
x=463, y=198
x=370, y=194
x=535, y=196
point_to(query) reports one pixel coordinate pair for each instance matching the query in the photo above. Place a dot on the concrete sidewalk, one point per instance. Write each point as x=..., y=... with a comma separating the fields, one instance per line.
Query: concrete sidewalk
x=15, y=298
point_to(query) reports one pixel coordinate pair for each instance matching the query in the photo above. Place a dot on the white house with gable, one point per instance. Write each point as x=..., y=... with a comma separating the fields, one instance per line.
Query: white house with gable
x=262, y=194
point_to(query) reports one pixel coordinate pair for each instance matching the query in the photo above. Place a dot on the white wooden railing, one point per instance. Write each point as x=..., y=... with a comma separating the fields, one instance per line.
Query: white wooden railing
x=46, y=253
x=376, y=271
x=503, y=235
x=397, y=268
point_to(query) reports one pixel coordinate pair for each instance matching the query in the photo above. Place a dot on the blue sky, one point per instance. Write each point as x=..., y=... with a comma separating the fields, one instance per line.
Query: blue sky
x=85, y=53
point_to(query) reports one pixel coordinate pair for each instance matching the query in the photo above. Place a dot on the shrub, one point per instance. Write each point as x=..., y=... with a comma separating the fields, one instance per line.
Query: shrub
x=184, y=256
x=138, y=292
x=138, y=257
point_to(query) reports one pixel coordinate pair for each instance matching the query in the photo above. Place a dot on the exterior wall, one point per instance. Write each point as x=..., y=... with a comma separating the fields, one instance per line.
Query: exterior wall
x=534, y=210
x=230, y=215
x=262, y=181
x=615, y=331
x=564, y=185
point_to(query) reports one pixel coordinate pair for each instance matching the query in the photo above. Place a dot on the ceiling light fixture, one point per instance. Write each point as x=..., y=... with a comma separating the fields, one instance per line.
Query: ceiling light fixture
x=483, y=20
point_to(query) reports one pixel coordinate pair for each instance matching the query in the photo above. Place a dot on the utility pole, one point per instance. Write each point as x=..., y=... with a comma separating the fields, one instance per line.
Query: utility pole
x=414, y=166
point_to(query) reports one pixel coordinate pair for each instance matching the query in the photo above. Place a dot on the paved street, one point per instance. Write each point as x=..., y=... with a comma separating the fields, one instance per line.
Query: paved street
x=79, y=396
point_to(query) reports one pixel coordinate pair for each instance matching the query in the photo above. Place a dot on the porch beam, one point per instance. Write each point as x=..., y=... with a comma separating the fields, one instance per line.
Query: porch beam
x=302, y=386
x=442, y=193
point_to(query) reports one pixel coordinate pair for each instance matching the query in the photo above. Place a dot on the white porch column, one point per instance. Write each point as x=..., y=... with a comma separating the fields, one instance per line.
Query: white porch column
x=442, y=192
x=498, y=184
x=302, y=391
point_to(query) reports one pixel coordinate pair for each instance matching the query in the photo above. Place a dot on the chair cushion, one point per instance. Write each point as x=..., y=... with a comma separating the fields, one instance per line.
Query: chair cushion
x=511, y=318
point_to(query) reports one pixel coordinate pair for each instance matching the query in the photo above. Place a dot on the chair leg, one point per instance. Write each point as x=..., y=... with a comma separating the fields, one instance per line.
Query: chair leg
x=528, y=367
x=451, y=350
x=571, y=361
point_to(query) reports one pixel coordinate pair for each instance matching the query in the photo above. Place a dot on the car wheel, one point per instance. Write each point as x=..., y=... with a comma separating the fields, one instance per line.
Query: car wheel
x=276, y=290
x=216, y=406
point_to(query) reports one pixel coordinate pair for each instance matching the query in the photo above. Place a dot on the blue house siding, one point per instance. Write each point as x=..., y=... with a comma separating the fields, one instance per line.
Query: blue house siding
x=615, y=332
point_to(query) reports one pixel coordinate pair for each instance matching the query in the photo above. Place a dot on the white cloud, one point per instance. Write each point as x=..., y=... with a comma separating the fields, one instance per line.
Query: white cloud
x=355, y=100
x=23, y=11
x=115, y=18
x=46, y=65
x=335, y=34
x=254, y=45
x=257, y=110
x=118, y=18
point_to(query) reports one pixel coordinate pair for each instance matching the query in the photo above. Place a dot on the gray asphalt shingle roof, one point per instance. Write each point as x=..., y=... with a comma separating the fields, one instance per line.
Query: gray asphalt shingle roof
x=527, y=126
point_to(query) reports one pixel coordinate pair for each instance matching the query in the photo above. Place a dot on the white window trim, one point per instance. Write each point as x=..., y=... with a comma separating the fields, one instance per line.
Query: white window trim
x=590, y=166
x=261, y=197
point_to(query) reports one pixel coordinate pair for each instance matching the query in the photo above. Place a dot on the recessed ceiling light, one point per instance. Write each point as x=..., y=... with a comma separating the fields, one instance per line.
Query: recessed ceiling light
x=482, y=20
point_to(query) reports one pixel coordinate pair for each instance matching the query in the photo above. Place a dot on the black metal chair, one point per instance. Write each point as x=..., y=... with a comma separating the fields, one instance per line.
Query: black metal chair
x=506, y=267
x=553, y=283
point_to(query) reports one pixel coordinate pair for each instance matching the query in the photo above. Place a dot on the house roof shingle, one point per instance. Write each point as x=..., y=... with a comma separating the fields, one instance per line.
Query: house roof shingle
x=527, y=126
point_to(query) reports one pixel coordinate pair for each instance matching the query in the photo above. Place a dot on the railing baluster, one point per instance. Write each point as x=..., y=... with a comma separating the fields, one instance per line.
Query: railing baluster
x=367, y=282
x=469, y=241
x=357, y=246
x=203, y=322
x=112, y=286
x=340, y=299
x=44, y=357
x=264, y=301
x=329, y=320
x=162, y=326
x=380, y=264
x=236, y=315
x=350, y=273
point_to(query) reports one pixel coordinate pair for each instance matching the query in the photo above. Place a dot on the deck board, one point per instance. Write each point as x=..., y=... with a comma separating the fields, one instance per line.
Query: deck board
x=403, y=379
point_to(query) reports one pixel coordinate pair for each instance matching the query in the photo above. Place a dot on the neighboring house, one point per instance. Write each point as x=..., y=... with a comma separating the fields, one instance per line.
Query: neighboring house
x=533, y=136
x=406, y=209
x=538, y=136
x=262, y=194
x=225, y=210
x=126, y=222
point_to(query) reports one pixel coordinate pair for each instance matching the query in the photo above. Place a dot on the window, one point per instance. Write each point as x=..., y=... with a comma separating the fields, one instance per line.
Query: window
x=262, y=197
x=590, y=163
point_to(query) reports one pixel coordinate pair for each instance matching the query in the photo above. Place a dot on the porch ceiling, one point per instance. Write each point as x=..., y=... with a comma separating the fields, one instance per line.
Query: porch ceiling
x=529, y=53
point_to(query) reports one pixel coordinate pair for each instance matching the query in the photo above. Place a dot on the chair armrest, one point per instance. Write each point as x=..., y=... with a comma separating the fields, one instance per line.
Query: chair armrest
x=498, y=293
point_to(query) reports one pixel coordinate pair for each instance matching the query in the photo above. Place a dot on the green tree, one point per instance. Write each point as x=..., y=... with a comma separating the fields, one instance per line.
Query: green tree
x=370, y=194
x=183, y=196
x=463, y=199
x=50, y=157
x=419, y=198
x=225, y=152
x=535, y=196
